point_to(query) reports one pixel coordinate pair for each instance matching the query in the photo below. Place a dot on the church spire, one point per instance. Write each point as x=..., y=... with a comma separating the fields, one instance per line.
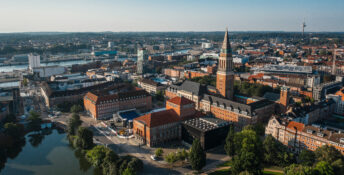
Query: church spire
x=226, y=46
x=225, y=76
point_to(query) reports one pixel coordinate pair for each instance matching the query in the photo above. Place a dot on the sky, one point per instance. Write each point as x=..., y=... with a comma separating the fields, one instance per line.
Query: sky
x=170, y=15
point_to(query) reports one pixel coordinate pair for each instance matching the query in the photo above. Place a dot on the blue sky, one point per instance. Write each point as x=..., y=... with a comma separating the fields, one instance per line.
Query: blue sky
x=170, y=15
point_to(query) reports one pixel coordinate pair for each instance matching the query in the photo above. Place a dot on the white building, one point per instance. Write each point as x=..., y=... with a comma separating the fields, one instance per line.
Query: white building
x=34, y=61
x=207, y=45
x=240, y=59
x=338, y=97
x=110, y=44
x=48, y=71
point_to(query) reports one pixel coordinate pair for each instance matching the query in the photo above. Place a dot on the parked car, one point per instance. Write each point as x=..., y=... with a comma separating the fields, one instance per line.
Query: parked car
x=153, y=157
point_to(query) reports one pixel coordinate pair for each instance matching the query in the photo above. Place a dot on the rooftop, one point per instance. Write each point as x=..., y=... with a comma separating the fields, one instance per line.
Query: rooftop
x=180, y=101
x=206, y=123
x=286, y=68
x=155, y=119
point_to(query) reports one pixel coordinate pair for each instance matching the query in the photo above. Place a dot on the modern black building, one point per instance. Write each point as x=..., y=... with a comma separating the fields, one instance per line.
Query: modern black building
x=210, y=131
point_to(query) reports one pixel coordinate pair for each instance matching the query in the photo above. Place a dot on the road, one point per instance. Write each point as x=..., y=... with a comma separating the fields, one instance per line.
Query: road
x=129, y=147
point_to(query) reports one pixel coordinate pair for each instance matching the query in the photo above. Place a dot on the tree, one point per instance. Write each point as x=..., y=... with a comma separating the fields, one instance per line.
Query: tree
x=307, y=157
x=197, y=155
x=36, y=139
x=324, y=168
x=229, y=145
x=338, y=166
x=295, y=169
x=276, y=153
x=85, y=138
x=182, y=154
x=245, y=173
x=96, y=155
x=328, y=154
x=74, y=123
x=35, y=121
x=128, y=171
x=247, y=159
x=258, y=128
x=160, y=96
x=24, y=82
x=159, y=152
x=270, y=150
x=252, y=137
x=76, y=109
x=13, y=130
x=135, y=164
x=109, y=161
x=171, y=158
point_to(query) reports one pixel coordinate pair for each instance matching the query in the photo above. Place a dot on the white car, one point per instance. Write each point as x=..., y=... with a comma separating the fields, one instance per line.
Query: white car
x=153, y=157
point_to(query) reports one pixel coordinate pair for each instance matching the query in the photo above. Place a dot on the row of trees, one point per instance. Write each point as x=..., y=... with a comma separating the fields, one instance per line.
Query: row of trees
x=112, y=164
x=207, y=80
x=252, y=89
x=8, y=50
x=172, y=157
x=71, y=107
x=100, y=156
x=250, y=154
x=196, y=155
x=324, y=160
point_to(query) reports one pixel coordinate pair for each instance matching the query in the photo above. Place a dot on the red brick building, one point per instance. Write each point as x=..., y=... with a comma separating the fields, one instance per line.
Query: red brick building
x=103, y=105
x=193, y=74
x=158, y=128
x=225, y=75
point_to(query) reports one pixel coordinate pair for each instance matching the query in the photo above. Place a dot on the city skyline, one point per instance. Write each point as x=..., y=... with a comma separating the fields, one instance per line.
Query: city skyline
x=153, y=15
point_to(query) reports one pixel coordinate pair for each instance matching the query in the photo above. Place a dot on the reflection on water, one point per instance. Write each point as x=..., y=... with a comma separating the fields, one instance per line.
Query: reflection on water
x=47, y=153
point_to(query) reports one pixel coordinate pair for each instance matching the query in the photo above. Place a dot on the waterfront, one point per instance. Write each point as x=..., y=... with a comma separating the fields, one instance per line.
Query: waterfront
x=9, y=84
x=48, y=153
x=25, y=66
x=71, y=62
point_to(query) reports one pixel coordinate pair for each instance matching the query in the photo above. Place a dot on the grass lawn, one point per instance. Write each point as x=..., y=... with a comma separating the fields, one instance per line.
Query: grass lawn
x=272, y=173
x=225, y=164
x=227, y=171
x=221, y=172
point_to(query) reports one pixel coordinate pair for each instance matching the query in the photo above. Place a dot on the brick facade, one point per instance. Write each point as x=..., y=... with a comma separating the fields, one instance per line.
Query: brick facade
x=100, y=108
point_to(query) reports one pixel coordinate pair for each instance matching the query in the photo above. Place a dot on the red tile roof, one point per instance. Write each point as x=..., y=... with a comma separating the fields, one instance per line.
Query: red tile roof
x=121, y=95
x=258, y=76
x=296, y=125
x=159, y=118
x=180, y=101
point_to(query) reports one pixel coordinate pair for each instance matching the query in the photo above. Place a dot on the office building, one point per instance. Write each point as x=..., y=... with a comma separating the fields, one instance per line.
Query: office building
x=34, y=61
x=141, y=58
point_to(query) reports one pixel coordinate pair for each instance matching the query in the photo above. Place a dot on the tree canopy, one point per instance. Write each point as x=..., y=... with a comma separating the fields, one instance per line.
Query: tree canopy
x=248, y=155
x=307, y=157
x=229, y=145
x=197, y=155
x=73, y=123
x=35, y=121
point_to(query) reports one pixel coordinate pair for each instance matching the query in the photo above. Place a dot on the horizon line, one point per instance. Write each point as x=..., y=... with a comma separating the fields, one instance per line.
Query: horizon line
x=176, y=31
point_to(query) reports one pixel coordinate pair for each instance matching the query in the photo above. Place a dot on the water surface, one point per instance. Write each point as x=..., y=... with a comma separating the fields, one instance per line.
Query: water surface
x=48, y=154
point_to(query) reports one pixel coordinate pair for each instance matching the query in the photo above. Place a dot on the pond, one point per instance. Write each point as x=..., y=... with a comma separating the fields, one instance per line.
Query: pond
x=48, y=154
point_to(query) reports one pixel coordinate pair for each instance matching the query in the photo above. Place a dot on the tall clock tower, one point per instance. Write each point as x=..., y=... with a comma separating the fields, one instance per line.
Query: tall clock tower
x=225, y=75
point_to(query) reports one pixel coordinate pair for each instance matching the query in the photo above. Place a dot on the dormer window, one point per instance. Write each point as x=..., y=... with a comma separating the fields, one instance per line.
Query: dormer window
x=309, y=131
x=320, y=134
